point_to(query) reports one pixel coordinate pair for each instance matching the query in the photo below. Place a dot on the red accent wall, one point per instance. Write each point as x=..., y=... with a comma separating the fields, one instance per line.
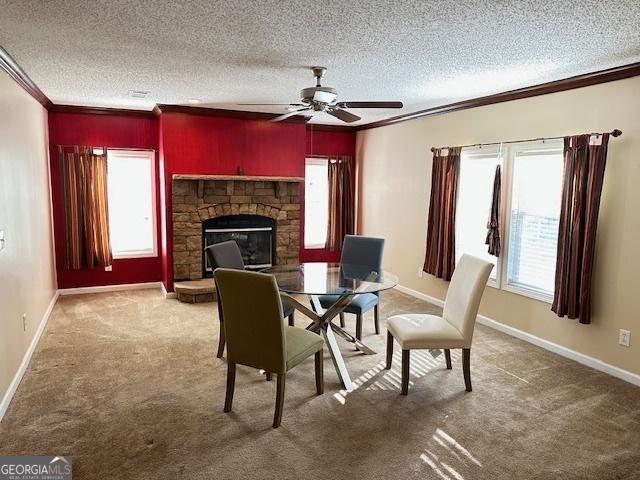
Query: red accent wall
x=199, y=144
x=330, y=143
x=326, y=143
x=193, y=144
x=108, y=131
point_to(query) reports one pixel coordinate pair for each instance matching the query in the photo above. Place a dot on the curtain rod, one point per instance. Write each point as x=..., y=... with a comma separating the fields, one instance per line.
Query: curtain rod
x=614, y=133
x=109, y=148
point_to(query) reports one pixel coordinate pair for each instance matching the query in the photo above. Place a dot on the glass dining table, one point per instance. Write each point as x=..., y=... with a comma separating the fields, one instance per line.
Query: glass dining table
x=341, y=280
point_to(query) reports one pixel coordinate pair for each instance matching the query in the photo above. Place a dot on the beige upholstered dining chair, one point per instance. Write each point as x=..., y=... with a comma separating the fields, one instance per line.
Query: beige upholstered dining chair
x=453, y=330
x=256, y=335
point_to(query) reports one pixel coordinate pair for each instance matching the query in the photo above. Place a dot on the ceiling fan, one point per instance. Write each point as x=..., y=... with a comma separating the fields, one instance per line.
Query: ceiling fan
x=323, y=99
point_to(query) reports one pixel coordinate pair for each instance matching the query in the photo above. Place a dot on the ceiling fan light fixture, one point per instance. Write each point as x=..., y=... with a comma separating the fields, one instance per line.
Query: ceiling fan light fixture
x=323, y=99
x=324, y=96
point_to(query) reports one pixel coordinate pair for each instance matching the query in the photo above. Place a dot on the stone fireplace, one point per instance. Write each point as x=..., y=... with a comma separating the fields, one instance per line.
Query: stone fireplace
x=209, y=208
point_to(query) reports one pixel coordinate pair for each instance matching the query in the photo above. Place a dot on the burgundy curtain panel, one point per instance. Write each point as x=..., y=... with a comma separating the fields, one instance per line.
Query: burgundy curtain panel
x=440, y=257
x=493, y=225
x=86, y=217
x=341, y=202
x=584, y=166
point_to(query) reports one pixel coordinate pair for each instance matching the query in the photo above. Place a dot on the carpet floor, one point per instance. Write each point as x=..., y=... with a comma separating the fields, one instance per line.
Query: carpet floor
x=129, y=385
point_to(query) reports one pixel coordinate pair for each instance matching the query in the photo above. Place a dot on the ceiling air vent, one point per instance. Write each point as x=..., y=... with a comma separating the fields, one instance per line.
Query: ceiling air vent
x=138, y=93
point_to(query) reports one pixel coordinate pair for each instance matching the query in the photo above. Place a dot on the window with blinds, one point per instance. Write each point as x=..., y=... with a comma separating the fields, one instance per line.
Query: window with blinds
x=530, y=198
x=132, y=205
x=316, y=202
x=534, y=216
x=475, y=188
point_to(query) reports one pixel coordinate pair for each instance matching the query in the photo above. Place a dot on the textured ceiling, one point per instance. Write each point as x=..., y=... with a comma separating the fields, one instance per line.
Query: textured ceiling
x=424, y=53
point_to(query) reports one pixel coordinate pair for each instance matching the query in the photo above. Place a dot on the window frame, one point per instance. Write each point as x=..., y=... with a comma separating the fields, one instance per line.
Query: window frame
x=313, y=160
x=546, y=145
x=507, y=159
x=478, y=151
x=151, y=155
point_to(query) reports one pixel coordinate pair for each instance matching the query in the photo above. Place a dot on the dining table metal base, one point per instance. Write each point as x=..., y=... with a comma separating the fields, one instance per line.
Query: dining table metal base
x=322, y=324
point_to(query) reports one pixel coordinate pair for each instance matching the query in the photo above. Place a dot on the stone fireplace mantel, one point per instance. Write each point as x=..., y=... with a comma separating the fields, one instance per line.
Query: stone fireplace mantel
x=241, y=178
x=196, y=198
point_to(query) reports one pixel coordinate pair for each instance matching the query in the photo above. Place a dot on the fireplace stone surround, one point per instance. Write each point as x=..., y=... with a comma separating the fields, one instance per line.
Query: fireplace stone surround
x=198, y=198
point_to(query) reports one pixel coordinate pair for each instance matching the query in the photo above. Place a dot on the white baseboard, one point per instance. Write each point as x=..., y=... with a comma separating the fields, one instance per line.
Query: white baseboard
x=420, y=295
x=540, y=342
x=167, y=294
x=13, y=386
x=110, y=288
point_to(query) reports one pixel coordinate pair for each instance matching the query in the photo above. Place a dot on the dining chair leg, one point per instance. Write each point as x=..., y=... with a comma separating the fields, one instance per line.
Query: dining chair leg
x=277, y=417
x=269, y=376
x=221, y=341
x=342, y=320
x=359, y=326
x=231, y=383
x=319, y=372
x=405, y=372
x=291, y=319
x=389, y=350
x=447, y=358
x=466, y=368
x=376, y=319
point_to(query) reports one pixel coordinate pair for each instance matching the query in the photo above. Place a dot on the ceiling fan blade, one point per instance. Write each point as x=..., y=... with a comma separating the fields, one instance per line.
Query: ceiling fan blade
x=276, y=104
x=289, y=114
x=343, y=115
x=369, y=104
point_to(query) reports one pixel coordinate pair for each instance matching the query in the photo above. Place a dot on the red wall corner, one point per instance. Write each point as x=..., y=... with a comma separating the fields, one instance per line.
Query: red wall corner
x=105, y=131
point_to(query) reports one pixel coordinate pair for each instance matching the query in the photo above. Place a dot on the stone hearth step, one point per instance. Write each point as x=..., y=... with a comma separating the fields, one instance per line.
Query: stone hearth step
x=196, y=291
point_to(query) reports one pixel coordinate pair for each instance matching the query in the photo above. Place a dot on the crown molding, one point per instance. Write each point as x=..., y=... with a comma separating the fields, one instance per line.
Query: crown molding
x=121, y=112
x=220, y=112
x=9, y=65
x=578, y=81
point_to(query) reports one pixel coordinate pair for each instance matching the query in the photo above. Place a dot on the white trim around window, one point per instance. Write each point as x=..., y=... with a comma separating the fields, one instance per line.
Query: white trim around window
x=508, y=155
x=314, y=215
x=149, y=155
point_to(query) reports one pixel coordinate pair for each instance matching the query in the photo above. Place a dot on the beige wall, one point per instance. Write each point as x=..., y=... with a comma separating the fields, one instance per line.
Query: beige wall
x=27, y=276
x=394, y=179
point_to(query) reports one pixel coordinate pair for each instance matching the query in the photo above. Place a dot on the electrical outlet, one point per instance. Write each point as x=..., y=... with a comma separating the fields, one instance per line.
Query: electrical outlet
x=24, y=322
x=624, y=338
x=108, y=268
x=420, y=272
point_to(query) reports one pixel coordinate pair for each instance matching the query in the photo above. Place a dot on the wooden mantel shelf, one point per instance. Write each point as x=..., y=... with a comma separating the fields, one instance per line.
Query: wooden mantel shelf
x=242, y=178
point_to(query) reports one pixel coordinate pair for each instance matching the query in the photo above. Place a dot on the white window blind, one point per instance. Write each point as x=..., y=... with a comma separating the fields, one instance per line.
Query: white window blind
x=534, y=214
x=131, y=197
x=316, y=202
x=475, y=188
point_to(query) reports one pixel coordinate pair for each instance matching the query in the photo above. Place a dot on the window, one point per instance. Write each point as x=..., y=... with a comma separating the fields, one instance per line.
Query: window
x=316, y=202
x=475, y=188
x=131, y=197
x=534, y=217
x=531, y=195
